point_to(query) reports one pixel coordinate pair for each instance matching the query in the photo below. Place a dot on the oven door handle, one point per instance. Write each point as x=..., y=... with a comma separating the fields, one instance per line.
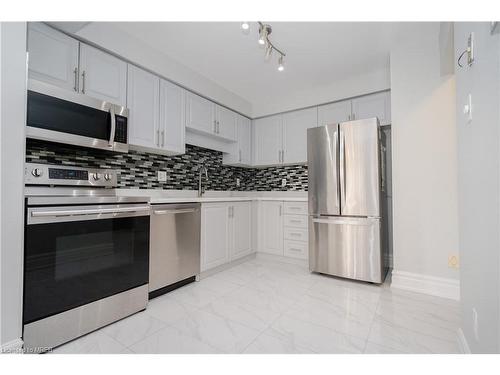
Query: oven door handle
x=113, y=127
x=90, y=211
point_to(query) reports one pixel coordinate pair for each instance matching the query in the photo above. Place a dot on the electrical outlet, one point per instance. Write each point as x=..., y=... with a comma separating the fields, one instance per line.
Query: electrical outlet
x=283, y=182
x=475, y=323
x=453, y=261
x=162, y=176
x=238, y=182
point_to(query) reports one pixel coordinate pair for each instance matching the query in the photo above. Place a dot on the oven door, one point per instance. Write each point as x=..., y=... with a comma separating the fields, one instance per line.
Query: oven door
x=79, y=254
x=65, y=117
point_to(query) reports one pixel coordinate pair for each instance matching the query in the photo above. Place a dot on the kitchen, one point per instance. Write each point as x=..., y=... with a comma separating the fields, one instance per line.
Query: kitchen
x=161, y=217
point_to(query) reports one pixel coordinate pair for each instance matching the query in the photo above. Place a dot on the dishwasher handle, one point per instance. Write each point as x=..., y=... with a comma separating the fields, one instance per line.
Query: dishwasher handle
x=175, y=211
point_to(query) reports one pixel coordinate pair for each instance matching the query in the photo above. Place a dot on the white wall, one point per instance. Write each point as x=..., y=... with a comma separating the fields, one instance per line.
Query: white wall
x=353, y=86
x=479, y=186
x=424, y=156
x=113, y=39
x=12, y=150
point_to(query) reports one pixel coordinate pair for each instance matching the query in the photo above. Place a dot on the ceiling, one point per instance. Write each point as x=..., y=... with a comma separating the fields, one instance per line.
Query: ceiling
x=317, y=53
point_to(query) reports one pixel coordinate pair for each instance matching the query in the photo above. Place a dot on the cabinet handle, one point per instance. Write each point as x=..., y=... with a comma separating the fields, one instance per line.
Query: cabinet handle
x=280, y=210
x=75, y=72
x=158, y=137
x=162, y=138
x=240, y=156
x=215, y=127
x=349, y=117
x=218, y=128
x=83, y=82
x=296, y=221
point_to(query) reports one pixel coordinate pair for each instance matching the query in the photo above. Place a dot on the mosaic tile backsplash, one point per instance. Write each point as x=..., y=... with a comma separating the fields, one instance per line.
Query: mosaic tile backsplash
x=139, y=169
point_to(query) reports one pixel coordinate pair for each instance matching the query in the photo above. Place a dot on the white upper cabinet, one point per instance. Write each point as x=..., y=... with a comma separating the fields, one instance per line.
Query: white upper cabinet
x=375, y=105
x=200, y=114
x=226, y=123
x=241, y=229
x=241, y=152
x=172, y=117
x=208, y=118
x=53, y=57
x=268, y=140
x=102, y=76
x=143, y=101
x=334, y=113
x=295, y=125
x=244, y=140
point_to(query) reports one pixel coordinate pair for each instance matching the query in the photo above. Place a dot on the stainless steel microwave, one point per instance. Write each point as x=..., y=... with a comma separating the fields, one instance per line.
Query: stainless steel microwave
x=58, y=115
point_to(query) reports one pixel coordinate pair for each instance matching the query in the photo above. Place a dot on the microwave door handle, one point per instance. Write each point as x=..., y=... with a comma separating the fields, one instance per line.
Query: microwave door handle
x=113, y=127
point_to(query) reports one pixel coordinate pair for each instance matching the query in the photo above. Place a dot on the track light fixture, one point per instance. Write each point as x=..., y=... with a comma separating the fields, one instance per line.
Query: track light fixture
x=264, y=31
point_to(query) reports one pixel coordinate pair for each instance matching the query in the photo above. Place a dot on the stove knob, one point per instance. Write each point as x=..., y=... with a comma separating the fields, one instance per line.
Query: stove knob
x=37, y=172
x=96, y=176
x=107, y=176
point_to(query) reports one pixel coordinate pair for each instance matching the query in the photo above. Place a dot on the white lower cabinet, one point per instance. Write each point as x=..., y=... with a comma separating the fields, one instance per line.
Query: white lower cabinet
x=226, y=230
x=240, y=230
x=283, y=228
x=271, y=227
x=214, y=235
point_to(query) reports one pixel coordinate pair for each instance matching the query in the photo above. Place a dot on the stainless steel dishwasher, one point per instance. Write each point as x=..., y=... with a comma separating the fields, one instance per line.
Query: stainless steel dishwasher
x=174, y=246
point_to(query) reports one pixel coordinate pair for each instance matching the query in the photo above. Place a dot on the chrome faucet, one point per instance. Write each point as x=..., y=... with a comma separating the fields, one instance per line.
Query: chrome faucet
x=202, y=170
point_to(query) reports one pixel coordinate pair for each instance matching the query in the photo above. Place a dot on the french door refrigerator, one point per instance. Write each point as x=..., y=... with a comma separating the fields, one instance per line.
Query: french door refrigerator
x=345, y=178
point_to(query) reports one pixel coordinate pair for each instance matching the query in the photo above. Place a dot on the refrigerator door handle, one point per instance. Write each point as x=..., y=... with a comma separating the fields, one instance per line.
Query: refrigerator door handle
x=342, y=168
x=336, y=151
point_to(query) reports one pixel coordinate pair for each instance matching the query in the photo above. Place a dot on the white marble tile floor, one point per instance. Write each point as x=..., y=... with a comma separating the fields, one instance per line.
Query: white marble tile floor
x=268, y=306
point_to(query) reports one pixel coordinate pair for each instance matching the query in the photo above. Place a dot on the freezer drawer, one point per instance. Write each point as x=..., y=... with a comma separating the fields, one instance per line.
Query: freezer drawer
x=346, y=247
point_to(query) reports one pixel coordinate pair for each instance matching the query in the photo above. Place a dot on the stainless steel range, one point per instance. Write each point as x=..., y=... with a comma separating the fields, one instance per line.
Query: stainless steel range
x=86, y=254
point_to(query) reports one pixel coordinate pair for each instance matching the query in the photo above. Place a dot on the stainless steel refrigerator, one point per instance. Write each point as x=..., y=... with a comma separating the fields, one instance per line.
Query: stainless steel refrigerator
x=345, y=186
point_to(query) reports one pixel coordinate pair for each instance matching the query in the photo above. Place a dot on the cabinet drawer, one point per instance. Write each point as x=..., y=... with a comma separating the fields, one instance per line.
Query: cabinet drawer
x=296, y=234
x=296, y=221
x=296, y=208
x=296, y=249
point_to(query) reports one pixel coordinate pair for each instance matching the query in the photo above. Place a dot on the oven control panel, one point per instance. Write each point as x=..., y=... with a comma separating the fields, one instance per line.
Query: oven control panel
x=45, y=174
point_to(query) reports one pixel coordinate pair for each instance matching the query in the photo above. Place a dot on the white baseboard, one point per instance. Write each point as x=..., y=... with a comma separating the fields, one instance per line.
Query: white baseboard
x=12, y=347
x=435, y=286
x=462, y=342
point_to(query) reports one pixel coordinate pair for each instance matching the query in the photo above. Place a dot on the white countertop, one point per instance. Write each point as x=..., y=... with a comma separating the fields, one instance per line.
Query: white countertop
x=181, y=196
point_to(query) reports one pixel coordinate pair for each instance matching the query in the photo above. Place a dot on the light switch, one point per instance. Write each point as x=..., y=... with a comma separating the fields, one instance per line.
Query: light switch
x=468, y=108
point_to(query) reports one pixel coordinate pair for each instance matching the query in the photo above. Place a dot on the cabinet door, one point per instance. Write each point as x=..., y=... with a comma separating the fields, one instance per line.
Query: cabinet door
x=375, y=105
x=241, y=220
x=200, y=114
x=244, y=140
x=143, y=102
x=172, y=117
x=268, y=136
x=226, y=123
x=102, y=76
x=295, y=125
x=334, y=113
x=53, y=57
x=271, y=227
x=214, y=235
